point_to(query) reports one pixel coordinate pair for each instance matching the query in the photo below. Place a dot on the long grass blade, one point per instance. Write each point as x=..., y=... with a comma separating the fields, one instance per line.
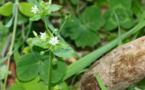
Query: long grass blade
x=119, y=31
x=102, y=86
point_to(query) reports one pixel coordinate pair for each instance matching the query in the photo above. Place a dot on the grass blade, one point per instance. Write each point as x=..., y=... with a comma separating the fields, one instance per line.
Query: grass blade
x=102, y=86
x=119, y=31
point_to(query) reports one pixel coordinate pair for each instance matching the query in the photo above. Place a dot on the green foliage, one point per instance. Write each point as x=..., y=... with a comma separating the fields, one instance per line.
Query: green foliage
x=34, y=2
x=103, y=87
x=85, y=32
x=119, y=3
x=34, y=84
x=61, y=50
x=75, y=2
x=26, y=65
x=39, y=64
x=64, y=50
x=61, y=86
x=136, y=7
x=4, y=27
x=22, y=19
x=125, y=15
x=45, y=9
x=6, y=9
x=25, y=8
x=58, y=71
x=54, y=7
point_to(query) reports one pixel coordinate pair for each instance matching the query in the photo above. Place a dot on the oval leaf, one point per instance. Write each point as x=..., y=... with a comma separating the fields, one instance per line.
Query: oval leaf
x=26, y=65
x=54, y=7
x=64, y=50
x=6, y=9
x=25, y=8
x=57, y=73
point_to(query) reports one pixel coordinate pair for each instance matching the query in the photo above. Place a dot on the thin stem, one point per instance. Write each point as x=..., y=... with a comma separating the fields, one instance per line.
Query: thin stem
x=50, y=69
x=50, y=1
x=47, y=30
x=12, y=44
x=23, y=31
x=62, y=26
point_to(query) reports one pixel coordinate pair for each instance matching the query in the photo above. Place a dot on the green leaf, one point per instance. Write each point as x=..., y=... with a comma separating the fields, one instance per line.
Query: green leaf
x=119, y=3
x=25, y=8
x=36, y=17
x=39, y=42
x=34, y=2
x=22, y=19
x=136, y=7
x=64, y=50
x=92, y=18
x=6, y=9
x=125, y=17
x=54, y=7
x=3, y=27
x=25, y=66
x=39, y=64
x=34, y=84
x=90, y=58
x=80, y=33
x=84, y=33
x=75, y=2
x=119, y=30
x=58, y=71
x=103, y=87
x=61, y=86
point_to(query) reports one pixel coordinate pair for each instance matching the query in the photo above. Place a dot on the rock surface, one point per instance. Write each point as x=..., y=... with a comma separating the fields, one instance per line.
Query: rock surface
x=119, y=69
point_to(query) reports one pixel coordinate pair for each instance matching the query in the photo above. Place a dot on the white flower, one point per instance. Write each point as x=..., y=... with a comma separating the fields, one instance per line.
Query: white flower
x=34, y=9
x=43, y=35
x=53, y=41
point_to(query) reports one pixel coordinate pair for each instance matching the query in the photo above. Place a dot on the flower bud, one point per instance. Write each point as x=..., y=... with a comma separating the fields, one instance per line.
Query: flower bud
x=35, y=34
x=42, y=53
x=54, y=62
x=67, y=17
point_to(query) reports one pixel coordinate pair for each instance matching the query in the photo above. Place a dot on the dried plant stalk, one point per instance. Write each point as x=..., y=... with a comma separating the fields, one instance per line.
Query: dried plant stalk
x=119, y=69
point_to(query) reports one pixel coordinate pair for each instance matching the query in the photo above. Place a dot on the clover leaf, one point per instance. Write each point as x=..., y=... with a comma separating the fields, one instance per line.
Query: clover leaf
x=117, y=3
x=123, y=12
x=84, y=32
x=38, y=64
x=34, y=84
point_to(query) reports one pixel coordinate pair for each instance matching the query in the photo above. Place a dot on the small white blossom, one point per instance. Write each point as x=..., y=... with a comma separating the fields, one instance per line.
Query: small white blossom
x=53, y=41
x=34, y=9
x=43, y=35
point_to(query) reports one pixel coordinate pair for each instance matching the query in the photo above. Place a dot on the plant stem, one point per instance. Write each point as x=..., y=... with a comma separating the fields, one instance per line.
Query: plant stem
x=11, y=45
x=62, y=26
x=50, y=69
x=47, y=30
